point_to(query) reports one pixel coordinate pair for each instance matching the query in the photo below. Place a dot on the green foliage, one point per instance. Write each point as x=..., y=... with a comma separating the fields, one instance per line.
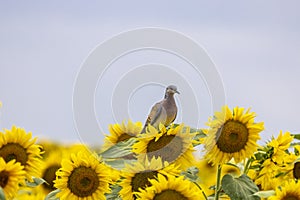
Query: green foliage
x=265, y=194
x=36, y=182
x=119, y=150
x=114, y=195
x=296, y=136
x=261, y=155
x=241, y=188
x=52, y=195
x=233, y=165
x=175, y=125
x=199, y=135
x=118, y=164
x=191, y=174
x=296, y=152
x=2, y=196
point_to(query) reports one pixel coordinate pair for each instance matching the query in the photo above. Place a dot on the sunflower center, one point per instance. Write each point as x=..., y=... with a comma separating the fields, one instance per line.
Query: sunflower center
x=4, y=176
x=49, y=176
x=141, y=180
x=232, y=137
x=124, y=137
x=168, y=147
x=169, y=194
x=296, y=170
x=290, y=197
x=83, y=181
x=15, y=151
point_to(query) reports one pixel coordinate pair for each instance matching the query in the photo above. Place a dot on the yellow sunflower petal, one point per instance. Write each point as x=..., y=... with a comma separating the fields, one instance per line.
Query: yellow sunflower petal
x=19, y=145
x=233, y=137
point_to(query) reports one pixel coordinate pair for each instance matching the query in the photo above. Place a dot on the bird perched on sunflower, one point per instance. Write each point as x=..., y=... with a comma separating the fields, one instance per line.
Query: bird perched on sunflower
x=165, y=111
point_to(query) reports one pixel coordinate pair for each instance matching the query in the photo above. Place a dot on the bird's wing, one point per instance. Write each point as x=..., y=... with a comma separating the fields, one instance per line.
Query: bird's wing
x=156, y=112
x=174, y=117
x=153, y=113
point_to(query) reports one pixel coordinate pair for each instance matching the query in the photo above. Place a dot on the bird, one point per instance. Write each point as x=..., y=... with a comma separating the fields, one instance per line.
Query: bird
x=165, y=111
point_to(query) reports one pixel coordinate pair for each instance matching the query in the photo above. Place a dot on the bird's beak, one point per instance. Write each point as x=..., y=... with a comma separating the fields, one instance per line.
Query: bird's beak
x=177, y=92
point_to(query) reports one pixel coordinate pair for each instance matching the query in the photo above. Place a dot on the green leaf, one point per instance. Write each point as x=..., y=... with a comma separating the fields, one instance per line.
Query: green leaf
x=233, y=165
x=118, y=164
x=191, y=174
x=119, y=150
x=281, y=174
x=241, y=188
x=255, y=167
x=113, y=198
x=265, y=194
x=211, y=198
x=2, y=195
x=260, y=155
x=36, y=182
x=200, y=134
x=52, y=195
x=296, y=136
x=296, y=152
x=114, y=195
x=175, y=125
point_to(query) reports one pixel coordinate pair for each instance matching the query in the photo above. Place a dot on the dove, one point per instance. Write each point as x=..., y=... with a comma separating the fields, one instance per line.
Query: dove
x=165, y=111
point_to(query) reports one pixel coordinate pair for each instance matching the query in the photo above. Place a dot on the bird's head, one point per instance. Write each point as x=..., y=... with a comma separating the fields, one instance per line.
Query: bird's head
x=172, y=89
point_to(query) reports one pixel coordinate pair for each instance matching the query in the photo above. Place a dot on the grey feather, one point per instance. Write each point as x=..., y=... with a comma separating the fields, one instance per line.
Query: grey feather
x=165, y=111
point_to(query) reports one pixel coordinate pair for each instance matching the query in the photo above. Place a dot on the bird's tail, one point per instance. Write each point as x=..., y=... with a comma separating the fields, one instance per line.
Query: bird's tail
x=144, y=129
x=148, y=120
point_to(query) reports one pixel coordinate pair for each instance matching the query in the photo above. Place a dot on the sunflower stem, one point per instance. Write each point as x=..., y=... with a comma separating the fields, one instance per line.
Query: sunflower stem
x=247, y=166
x=201, y=190
x=218, y=187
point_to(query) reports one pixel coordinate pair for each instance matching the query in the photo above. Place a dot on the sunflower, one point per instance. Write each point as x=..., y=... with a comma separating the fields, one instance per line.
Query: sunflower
x=137, y=175
x=75, y=148
x=206, y=174
x=11, y=174
x=253, y=174
x=33, y=194
x=48, y=147
x=290, y=169
x=19, y=145
x=266, y=178
x=51, y=165
x=296, y=170
x=82, y=176
x=170, y=187
x=121, y=132
x=172, y=145
x=232, y=134
x=289, y=191
x=279, y=146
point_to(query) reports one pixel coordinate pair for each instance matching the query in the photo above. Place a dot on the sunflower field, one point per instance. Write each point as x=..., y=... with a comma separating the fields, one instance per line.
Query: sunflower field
x=160, y=164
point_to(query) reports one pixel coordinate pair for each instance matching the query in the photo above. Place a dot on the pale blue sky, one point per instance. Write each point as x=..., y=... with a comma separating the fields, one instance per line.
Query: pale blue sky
x=255, y=46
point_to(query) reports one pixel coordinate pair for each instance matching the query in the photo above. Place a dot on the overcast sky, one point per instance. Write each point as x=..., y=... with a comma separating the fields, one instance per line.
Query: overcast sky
x=255, y=46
